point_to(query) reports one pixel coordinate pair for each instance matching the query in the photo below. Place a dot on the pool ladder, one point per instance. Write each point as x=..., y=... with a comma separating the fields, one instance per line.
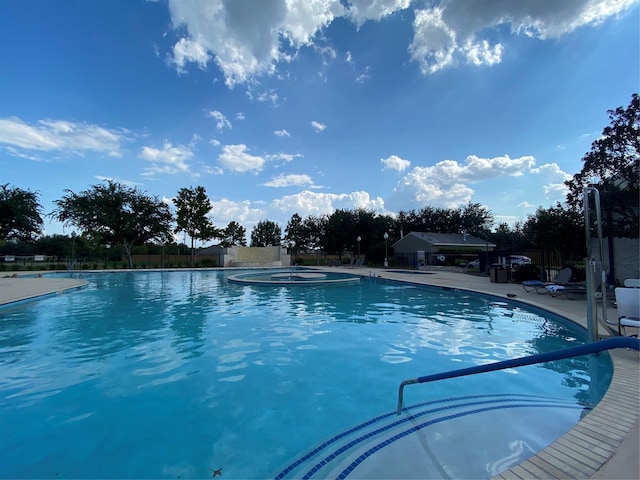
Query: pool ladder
x=592, y=347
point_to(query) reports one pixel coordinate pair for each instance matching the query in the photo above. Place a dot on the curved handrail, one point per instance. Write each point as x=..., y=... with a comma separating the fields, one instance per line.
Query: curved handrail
x=592, y=347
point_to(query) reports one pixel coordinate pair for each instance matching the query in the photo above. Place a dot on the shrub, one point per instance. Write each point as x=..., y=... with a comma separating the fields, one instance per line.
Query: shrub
x=207, y=263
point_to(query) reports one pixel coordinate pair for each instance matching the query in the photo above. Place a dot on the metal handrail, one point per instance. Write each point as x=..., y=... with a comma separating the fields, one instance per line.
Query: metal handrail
x=592, y=347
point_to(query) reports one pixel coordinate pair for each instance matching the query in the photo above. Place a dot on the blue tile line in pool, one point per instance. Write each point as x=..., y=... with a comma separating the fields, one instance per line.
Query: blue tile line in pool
x=536, y=401
x=416, y=428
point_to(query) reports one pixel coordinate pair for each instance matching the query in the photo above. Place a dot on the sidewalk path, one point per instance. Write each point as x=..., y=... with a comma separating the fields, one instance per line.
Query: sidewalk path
x=13, y=289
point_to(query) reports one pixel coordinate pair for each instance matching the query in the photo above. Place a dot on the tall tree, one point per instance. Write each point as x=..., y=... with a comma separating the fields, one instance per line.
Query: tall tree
x=340, y=232
x=233, y=234
x=475, y=218
x=20, y=214
x=295, y=234
x=557, y=229
x=613, y=167
x=266, y=234
x=315, y=228
x=116, y=215
x=193, y=205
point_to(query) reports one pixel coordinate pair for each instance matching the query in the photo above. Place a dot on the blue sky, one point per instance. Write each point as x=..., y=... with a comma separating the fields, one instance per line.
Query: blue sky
x=280, y=107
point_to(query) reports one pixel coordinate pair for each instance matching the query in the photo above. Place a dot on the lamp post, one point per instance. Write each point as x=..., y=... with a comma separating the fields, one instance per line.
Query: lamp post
x=359, y=239
x=386, y=237
x=291, y=243
x=73, y=250
x=486, y=227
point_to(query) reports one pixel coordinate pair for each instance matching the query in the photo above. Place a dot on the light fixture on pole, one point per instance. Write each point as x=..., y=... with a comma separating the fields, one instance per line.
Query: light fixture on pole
x=386, y=237
x=359, y=239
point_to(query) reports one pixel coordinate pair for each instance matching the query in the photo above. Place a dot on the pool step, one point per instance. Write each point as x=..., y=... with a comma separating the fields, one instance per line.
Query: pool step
x=428, y=440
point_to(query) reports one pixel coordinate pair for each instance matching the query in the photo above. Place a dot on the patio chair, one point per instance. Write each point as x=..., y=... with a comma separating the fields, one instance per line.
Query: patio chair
x=628, y=301
x=563, y=278
x=632, y=282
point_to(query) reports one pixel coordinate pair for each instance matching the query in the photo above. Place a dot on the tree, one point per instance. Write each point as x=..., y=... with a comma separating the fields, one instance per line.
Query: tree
x=557, y=229
x=193, y=205
x=315, y=231
x=295, y=234
x=233, y=234
x=613, y=167
x=265, y=234
x=340, y=232
x=116, y=214
x=471, y=217
x=474, y=219
x=20, y=214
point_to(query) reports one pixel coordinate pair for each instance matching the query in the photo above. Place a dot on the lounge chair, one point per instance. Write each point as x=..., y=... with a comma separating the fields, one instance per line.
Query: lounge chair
x=563, y=278
x=628, y=301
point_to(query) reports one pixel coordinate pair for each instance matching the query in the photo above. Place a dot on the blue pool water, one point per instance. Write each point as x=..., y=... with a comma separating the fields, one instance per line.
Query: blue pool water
x=179, y=374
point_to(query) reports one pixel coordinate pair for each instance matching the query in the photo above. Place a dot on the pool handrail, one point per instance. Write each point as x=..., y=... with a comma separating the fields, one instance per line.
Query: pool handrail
x=588, y=348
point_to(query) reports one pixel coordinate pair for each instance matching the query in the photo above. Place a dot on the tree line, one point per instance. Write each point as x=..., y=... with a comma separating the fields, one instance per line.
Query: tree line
x=112, y=215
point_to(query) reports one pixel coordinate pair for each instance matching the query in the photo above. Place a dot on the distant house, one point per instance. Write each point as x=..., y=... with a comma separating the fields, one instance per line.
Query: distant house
x=428, y=248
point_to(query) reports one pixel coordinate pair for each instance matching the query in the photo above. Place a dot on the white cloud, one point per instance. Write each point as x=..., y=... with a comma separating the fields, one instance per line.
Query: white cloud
x=290, y=180
x=348, y=57
x=552, y=171
x=527, y=205
x=209, y=170
x=189, y=51
x=445, y=183
x=555, y=191
x=459, y=31
x=236, y=158
x=167, y=160
x=281, y=133
x=305, y=203
x=268, y=95
x=243, y=212
x=194, y=140
x=482, y=53
x=215, y=142
x=362, y=78
x=222, y=121
x=434, y=42
x=395, y=163
x=362, y=10
x=240, y=116
x=315, y=203
x=247, y=45
x=245, y=42
x=60, y=136
x=318, y=127
x=14, y=152
x=128, y=183
x=285, y=157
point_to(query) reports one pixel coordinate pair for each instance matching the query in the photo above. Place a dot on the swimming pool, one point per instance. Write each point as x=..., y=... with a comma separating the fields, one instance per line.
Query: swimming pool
x=179, y=374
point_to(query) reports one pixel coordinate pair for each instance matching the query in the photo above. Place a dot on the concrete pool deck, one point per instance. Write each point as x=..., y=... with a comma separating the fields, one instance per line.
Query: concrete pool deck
x=604, y=445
